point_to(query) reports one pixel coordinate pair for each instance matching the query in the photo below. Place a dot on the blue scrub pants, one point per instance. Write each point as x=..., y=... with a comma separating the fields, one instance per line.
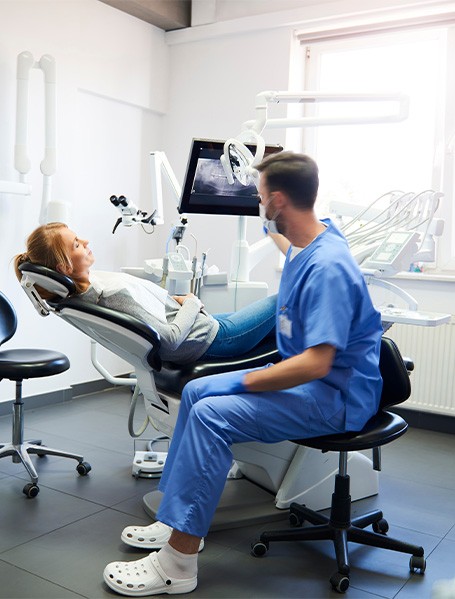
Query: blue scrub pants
x=200, y=454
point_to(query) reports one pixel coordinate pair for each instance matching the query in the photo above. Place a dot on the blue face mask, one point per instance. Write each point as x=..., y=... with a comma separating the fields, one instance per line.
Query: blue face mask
x=269, y=223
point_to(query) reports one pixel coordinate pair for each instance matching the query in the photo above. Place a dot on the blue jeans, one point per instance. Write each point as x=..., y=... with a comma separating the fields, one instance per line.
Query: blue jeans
x=241, y=331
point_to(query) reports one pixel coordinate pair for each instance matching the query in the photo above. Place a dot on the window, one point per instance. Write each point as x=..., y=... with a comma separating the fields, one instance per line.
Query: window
x=360, y=163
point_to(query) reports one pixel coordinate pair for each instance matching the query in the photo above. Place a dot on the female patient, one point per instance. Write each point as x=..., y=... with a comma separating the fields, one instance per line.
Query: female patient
x=187, y=334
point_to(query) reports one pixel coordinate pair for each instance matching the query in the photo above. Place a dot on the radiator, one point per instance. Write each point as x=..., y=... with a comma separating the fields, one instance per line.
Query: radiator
x=433, y=351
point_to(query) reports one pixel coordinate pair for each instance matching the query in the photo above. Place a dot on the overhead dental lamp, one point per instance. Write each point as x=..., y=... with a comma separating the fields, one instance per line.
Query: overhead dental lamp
x=238, y=161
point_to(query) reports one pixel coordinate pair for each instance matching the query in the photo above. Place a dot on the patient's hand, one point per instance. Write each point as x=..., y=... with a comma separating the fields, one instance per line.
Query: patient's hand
x=180, y=299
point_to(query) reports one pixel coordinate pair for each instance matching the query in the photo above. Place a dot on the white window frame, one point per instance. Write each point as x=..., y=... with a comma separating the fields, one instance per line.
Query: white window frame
x=443, y=168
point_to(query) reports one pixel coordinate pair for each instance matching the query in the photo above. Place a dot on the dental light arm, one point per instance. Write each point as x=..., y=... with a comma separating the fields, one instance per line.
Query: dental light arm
x=239, y=162
x=263, y=99
x=159, y=166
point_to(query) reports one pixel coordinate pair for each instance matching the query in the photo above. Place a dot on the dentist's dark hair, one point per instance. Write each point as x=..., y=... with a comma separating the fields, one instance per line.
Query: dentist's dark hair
x=296, y=175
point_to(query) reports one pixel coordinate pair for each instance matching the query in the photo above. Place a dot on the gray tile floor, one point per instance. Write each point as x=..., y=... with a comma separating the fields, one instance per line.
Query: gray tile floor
x=56, y=545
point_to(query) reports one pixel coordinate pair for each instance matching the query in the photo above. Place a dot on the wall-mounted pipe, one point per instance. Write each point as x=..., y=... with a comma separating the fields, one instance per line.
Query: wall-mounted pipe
x=22, y=163
x=50, y=210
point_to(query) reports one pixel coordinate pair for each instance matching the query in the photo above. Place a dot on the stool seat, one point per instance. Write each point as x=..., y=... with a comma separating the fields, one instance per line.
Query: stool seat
x=383, y=428
x=19, y=364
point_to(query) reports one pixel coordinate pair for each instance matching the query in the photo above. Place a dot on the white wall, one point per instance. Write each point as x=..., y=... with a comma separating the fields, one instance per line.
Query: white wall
x=111, y=96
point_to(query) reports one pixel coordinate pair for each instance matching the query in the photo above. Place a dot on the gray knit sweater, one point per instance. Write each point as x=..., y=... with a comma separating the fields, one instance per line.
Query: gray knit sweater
x=185, y=336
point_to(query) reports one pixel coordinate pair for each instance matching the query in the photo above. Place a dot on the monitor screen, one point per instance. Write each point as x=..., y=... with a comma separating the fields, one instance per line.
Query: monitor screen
x=206, y=189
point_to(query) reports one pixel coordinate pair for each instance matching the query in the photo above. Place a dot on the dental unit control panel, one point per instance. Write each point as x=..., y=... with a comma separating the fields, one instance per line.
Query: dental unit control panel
x=395, y=253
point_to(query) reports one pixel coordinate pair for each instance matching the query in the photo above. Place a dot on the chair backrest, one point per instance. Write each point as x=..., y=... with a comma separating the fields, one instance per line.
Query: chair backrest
x=396, y=383
x=8, y=319
x=124, y=335
x=127, y=337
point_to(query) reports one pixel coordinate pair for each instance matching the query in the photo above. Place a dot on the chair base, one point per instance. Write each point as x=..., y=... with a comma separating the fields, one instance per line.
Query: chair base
x=340, y=529
x=20, y=450
x=21, y=453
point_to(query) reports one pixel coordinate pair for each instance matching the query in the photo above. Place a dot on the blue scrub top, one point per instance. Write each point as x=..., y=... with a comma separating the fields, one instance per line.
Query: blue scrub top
x=323, y=298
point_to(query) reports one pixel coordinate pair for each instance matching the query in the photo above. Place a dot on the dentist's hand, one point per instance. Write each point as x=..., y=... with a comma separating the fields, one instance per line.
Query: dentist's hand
x=227, y=383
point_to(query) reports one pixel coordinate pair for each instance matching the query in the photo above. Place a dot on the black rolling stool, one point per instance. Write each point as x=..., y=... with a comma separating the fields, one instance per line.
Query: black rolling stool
x=382, y=428
x=17, y=365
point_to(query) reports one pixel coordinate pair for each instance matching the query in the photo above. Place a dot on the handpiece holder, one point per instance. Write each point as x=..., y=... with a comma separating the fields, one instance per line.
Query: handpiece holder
x=372, y=278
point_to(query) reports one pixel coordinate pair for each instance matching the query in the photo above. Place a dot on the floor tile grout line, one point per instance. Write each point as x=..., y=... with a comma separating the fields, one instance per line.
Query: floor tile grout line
x=43, y=578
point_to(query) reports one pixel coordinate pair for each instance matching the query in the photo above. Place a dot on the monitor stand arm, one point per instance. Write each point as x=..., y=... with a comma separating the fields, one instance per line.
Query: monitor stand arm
x=244, y=256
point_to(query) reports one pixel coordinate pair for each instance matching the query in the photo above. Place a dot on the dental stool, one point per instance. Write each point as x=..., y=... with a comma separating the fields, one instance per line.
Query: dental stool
x=17, y=365
x=339, y=527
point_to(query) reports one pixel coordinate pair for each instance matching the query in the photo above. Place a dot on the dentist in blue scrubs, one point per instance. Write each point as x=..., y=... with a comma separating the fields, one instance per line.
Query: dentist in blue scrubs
x=328, y=334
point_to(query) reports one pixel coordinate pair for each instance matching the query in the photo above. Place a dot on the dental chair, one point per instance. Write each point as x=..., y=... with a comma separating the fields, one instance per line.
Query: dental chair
x=17, y=365
x=264, y=477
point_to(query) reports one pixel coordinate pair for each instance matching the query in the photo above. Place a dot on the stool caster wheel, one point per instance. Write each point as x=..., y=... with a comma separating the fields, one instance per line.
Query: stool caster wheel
x=339, y=582
x=417, y=564
x=31, y=490
x=83, y=468
x=381, y=526
x=259, y=549
x=295, y=521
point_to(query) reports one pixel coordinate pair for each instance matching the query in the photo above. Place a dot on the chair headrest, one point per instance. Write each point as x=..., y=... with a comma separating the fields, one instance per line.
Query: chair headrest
x=52, y=281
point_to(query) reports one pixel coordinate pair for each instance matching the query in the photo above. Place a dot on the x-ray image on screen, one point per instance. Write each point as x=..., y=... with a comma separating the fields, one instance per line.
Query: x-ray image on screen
x=206, y=189
x=210, y=178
